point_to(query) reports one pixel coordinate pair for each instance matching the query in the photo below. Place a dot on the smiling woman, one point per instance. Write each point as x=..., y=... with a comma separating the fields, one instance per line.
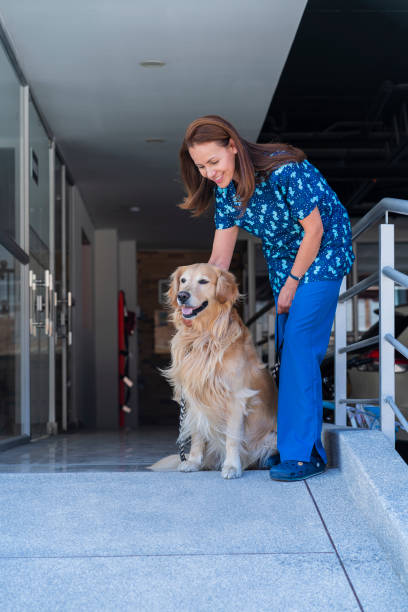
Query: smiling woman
x=275, y=193
x=213, y=146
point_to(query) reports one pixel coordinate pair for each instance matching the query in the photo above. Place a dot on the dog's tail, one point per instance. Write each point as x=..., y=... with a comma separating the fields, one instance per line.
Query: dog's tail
x=169, y=463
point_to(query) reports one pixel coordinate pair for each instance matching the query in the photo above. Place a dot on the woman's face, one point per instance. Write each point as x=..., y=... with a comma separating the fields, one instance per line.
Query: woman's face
x=215, y=162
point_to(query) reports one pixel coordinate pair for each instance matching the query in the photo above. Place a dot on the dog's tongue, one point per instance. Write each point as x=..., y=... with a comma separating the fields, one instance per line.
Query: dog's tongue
x=187, y=310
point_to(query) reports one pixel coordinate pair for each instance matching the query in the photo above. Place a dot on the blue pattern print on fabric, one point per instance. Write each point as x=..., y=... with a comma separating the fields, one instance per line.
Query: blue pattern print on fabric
x=290, y=193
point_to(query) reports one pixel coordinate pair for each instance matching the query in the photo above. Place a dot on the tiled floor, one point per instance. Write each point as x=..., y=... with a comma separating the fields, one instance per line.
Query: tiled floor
x=124, y=451
x=122, y=537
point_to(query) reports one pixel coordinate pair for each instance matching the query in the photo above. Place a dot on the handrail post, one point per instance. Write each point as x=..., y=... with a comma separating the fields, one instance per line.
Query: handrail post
x=271, y=339
x=387, y=324
x=354, y=300
x=258, y=337
x=251, y=267
x=340, y=359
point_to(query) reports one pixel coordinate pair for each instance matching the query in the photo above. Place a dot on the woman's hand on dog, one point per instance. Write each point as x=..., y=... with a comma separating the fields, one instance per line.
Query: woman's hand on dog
x=286, y=295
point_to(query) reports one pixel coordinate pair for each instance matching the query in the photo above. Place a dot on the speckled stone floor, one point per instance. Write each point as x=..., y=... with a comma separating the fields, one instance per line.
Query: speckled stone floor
x=84, y=526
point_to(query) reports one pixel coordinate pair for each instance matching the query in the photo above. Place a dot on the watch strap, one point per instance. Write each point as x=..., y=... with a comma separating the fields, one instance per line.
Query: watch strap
x=297, y=278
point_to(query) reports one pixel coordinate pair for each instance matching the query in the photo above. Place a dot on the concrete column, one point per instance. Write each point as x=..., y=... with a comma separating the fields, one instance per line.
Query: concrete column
x=106, y=328
x=81, y=354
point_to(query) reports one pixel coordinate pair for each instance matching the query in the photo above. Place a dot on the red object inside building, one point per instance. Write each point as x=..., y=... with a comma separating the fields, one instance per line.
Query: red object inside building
x=122, y=355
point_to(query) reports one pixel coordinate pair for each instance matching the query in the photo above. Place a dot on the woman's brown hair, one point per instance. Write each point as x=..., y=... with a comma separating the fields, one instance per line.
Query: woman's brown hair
x=250, y=159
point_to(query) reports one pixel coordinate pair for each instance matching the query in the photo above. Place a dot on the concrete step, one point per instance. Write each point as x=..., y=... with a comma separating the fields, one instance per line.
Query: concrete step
x=377, y=480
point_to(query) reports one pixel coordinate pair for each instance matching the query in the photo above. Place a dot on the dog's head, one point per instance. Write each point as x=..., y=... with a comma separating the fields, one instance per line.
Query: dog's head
x=201, y=292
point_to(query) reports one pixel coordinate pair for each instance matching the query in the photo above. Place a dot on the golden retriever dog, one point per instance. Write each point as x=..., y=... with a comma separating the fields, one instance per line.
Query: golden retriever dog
x=230, y=398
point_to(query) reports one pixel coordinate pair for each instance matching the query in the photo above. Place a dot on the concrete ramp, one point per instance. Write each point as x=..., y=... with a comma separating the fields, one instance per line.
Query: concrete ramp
x=173, y=541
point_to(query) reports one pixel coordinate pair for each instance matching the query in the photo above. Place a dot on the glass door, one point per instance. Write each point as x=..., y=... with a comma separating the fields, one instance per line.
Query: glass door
x=40, y=278
x=63, y=298
x=12, y=256
x=10, y=344
x=59, y=322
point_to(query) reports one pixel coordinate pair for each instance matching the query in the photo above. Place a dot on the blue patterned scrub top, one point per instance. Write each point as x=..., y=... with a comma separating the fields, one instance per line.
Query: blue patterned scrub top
x=290, y=193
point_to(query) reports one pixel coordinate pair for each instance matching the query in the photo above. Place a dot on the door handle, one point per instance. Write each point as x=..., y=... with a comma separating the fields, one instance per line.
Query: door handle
x=47, y=302
x=52, y=302
x=66, y=315
x=32, y=292
x=36, y=303
x=69, y=304
x=54, y=295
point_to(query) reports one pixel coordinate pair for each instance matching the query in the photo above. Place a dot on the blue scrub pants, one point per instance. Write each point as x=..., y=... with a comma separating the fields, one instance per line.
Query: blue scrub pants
x=305, y=333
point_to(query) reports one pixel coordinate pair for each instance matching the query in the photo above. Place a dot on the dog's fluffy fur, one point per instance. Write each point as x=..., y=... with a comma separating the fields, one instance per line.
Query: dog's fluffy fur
x=231, y=399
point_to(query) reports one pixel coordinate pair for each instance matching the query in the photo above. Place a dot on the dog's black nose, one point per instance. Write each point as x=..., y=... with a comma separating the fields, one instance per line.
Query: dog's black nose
x=183, y=296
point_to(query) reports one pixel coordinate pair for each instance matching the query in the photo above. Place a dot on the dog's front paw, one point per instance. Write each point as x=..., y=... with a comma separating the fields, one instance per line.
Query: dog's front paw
x=188, y=466
x=231, y=471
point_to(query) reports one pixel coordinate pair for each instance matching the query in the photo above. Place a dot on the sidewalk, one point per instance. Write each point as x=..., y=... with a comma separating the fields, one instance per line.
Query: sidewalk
x=192, y=542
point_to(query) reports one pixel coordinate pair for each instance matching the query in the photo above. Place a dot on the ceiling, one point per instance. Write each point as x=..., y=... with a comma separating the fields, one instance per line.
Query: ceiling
x=342, y=98
x=82, y=61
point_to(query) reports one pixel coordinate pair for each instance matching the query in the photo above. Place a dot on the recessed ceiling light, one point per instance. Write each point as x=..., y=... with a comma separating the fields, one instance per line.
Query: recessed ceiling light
x=134, y=209
x=152, y=64
x=155, y=140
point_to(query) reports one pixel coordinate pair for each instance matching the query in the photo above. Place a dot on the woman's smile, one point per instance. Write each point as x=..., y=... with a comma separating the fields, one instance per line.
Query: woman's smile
x=215, y=162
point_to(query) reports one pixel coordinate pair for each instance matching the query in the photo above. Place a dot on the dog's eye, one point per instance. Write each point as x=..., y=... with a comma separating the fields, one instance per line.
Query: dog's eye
x=182, y=280
x=203, y=281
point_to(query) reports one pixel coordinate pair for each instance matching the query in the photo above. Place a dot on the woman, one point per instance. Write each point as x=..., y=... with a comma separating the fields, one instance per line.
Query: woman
x=272, y=191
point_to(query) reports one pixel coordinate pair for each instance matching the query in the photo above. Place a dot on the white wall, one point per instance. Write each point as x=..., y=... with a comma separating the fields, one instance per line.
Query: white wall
x=110, y=265
x=82, y=357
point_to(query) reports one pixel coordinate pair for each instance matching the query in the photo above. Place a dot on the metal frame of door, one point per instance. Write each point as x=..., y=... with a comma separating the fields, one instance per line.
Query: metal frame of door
x=24, y=237
x=21, y=253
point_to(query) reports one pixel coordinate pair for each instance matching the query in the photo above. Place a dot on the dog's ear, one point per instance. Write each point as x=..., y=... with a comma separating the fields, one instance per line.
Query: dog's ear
x=226, y=289
x=171, y=294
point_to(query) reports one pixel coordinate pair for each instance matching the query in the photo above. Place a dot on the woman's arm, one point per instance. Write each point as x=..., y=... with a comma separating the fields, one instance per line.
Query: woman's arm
x=308, y=250
x=223, y=247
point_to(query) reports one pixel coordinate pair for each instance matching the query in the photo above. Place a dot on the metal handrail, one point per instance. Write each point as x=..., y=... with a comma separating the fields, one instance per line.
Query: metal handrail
x=374, y=401
x=359, y=345
x=264, y=340
x=392, y=205
x=386, y=271
x=401, y=348
x=359, y=287
x=395, y=275
x=260, y=312
x=397, y=412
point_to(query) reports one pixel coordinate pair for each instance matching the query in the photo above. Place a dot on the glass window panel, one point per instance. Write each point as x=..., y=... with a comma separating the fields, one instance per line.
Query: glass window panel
x=58, y=227
x=9, y=149
x=10, y=342
x=39, y=181
x=58, y=288
x=39, y=189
